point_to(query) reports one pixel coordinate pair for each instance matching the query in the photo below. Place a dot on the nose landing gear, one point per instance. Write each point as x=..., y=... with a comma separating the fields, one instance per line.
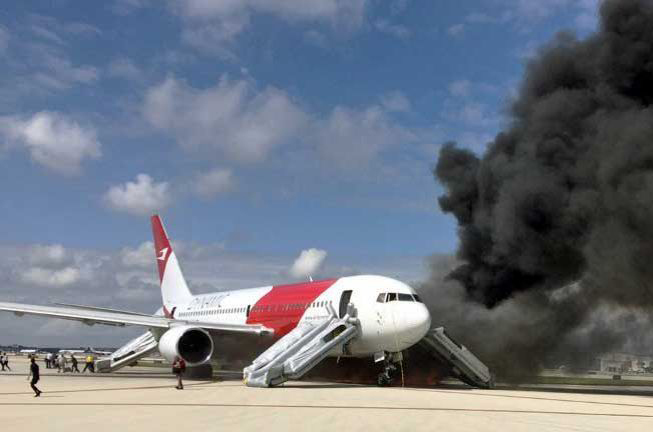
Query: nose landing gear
x=386, y=377
x=390, y=369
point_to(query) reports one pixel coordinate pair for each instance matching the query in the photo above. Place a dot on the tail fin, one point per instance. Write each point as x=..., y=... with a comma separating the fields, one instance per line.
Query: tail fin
x=174, y=290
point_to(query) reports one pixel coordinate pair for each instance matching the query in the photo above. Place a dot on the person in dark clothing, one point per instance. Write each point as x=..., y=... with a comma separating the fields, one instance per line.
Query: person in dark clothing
x=73, y=361
x=2, y=361
x=35, y=375
x=6, y=364
x=178, y=368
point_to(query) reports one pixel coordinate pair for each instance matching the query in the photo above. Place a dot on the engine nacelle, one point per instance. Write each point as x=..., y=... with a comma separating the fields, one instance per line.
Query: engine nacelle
x=193, y=344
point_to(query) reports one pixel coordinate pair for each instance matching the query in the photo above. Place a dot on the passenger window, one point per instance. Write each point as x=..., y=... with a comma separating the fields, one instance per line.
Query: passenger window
x=405, y=297
x=391, y=297
x=381, y=298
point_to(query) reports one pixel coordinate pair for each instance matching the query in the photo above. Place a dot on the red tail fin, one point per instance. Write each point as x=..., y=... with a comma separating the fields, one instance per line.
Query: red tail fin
x=162, y=247
x=174, y=290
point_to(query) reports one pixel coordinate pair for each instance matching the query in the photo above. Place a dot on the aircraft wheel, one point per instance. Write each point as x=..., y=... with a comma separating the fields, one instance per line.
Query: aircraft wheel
x=382, y=380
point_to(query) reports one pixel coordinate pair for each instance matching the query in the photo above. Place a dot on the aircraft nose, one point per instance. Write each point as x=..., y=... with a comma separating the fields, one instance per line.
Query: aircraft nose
x=417, y=321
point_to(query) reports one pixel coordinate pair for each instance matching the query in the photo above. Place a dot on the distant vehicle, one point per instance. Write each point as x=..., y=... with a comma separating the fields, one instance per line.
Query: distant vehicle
x=356, y=316
x=27, y=351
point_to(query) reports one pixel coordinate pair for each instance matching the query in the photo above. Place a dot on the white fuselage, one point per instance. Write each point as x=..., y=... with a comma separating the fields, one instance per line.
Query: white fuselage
x=391, y=317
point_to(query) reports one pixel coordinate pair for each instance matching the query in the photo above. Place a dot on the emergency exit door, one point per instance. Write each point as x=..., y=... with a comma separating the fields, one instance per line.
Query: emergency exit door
x=344, y=301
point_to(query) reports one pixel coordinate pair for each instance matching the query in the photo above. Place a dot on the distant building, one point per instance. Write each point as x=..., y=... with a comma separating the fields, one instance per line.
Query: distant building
x=625, y=363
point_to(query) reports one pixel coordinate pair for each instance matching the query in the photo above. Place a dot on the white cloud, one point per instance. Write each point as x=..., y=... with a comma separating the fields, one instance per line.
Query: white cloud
x=81, y=28
x=48, y=254
x=308, y=263
x=212, y=183
x=395, y=30
x=211, y=25
x=142, y=256
x=348, y=11
x=480, y=17
x=536, y=9
x=54, y=30
x=52, y=140
x=214, y=38
x=51, y=278
x=47, y=34
x=475, y=114
x=62, y=73
x=460, y=88
x=456, y=30
x=524, y=13
x=395, y=101
x=232, y=119
x=125, y=68
x=353, y=139
x=142, y=197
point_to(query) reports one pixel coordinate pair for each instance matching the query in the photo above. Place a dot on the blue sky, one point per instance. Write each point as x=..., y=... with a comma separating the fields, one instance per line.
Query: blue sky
x=256, y=128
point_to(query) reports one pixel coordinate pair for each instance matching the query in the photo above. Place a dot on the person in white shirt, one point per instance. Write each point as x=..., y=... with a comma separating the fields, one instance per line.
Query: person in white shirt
x=62, y=363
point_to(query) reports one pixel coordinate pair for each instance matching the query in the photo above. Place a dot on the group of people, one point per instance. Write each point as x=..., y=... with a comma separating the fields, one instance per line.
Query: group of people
x=34, y=376
x=60, y=362
x=4, y=361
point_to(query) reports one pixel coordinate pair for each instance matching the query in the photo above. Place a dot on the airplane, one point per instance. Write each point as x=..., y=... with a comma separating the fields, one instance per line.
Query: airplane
x=355, y=316
x=88, y=350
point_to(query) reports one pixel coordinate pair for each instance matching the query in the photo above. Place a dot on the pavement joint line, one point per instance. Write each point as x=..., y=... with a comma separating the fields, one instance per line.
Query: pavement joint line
x=95, y=390
x=488, y=394
x=335, y=407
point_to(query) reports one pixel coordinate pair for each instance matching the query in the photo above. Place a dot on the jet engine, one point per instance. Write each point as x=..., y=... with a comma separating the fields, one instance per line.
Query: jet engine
x=193, y=344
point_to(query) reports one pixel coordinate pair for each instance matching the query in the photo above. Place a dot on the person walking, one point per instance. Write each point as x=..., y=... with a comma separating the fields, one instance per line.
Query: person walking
x=46, y=359
x=2, y=361
x=89, y=364
x=178, y=368
x=35, y=375
x=6, y=359
x=73, y=361
x=62, y=363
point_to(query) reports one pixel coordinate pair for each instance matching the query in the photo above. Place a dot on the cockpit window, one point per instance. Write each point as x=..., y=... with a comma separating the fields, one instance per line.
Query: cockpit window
x=388, y=297
x=417, y=299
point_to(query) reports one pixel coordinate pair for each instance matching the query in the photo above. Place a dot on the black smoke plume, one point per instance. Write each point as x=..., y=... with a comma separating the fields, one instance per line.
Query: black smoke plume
x=564, y=194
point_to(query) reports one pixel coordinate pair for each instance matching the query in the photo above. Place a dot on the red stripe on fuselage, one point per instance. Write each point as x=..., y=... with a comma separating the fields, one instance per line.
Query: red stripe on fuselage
x=283, y=307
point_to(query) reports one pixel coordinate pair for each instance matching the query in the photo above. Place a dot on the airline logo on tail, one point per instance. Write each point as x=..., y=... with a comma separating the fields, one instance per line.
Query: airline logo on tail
x=163, y=254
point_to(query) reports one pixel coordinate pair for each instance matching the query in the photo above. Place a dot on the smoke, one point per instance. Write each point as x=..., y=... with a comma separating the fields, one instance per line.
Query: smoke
x=564, y=194
x=307, y=263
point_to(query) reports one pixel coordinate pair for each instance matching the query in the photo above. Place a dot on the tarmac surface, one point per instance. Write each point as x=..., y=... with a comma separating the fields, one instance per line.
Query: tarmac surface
x=142, y=399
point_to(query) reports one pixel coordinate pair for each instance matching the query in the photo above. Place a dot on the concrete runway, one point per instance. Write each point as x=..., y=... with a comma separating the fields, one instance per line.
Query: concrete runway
x=143, y=399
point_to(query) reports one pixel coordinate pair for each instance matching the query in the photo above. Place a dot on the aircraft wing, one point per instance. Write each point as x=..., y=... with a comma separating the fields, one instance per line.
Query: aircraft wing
x=121, y=319
x=101, y=309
